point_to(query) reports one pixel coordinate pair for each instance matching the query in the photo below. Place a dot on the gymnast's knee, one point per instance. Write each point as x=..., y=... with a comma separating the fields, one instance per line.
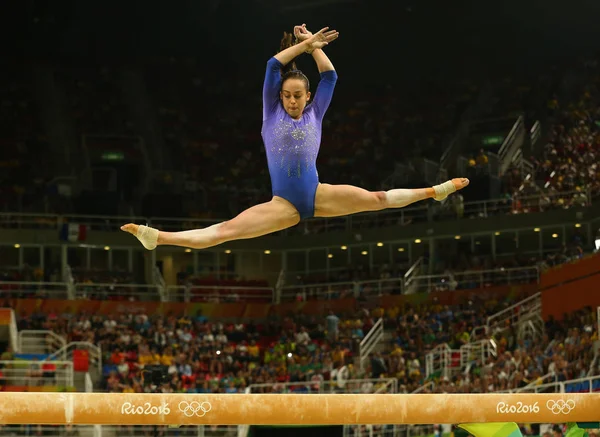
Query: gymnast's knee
x=225, y=231
x=380, y=200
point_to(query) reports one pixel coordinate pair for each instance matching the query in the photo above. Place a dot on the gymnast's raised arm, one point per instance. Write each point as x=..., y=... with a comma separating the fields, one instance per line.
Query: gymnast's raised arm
x=324, y=92
x=272, y=82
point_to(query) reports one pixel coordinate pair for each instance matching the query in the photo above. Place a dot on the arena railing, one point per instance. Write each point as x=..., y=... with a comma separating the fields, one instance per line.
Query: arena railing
x=67, y=277
x=121, y=431
x=470, y=279
x=368, y=343
x=32, y=374
x=40, y=341
x=366, y=385
x=138, y=292
x=388, y=431
x=216, y=294
x=428, y=386
x=413, y=272
x=512, y=314
x=27, y=430
x=477, y=279
x=403, y=216
x=14, y=332
x=52, y=290
x=66, y=353
x=579, y=385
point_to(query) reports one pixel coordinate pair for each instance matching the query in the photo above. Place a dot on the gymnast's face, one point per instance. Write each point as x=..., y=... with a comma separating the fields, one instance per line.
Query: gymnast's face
x=294, y=97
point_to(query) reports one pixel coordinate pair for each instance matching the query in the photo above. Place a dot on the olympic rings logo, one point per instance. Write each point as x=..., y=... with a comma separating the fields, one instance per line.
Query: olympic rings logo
x=190, y=409
x=560, y=406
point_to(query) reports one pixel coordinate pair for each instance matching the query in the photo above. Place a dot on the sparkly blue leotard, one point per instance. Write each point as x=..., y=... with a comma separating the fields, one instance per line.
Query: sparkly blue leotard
x=292, y=145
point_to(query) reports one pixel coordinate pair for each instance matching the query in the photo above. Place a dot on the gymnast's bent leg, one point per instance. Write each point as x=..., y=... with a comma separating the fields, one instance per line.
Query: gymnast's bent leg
x=340, y=200
x=254, y=222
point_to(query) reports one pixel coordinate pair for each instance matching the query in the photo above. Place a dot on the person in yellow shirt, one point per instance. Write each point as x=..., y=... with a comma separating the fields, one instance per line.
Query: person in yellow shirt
x=145, y=357
x=482, y=158
x=338, y=356
x=253, y=350
x=393, y=312
x=167, y=357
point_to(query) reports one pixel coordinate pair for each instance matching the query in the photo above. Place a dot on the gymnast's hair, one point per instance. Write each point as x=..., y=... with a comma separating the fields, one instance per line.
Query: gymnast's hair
x=290, y=71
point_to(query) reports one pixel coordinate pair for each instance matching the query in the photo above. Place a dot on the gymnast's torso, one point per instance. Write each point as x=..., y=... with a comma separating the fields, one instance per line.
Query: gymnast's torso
x=292, y=146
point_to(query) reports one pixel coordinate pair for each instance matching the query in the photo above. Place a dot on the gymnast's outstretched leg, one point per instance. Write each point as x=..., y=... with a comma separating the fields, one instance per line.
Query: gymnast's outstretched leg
x=340, y=200
x=256, y=221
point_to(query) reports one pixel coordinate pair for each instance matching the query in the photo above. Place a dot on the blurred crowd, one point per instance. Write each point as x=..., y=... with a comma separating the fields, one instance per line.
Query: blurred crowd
x=306, y=354
x=214, y=153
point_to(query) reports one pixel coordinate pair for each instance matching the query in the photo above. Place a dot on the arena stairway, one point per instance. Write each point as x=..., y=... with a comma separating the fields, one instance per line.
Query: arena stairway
x=525, y=314
x=46, y=345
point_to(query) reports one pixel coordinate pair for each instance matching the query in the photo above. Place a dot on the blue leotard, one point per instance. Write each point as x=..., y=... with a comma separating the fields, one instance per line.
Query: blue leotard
x=292, y=146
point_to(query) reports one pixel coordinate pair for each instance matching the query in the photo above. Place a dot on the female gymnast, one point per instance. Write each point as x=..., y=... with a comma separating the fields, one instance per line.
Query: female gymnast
x=291, y=131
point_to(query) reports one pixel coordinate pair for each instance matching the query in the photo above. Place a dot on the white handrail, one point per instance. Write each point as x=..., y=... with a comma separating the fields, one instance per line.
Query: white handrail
x=533, y=300
x=328, y=385
x=68, y=278
x=20, y=371
x=409, y=272
x=507, y=276
x=424, y=386
x=323, y=290
x=14, y=333
x=371, y=333
x=38, y=333
x=368, y=343
x=159, y=282
x=250, y=292
x=89, y=385
x=95, y=352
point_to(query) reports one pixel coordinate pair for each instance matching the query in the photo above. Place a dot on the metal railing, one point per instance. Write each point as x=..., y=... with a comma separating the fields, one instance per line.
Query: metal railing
x=443, y=359
x=395, y=217
x=367, y=385
x=47, y=430
x=120, y=431
x=430, y=385
x=473, y=279
x=368, y=343
x=511, y=144
x=14, y=332
x=24, y=290
x=579, y=385
x=67, y=277
x=36, y=373
x=511, y=315
x=66, y=353
x=446, y=362
x=88, y=383
x=437, y=361
x=411, y=274
x=159, y=282
x=40, y=341
x=479, y=350
x=216, y=294
x=164, y=431
x=476, y=279
x=388, y=431
x=336, y=290
x=138, y=292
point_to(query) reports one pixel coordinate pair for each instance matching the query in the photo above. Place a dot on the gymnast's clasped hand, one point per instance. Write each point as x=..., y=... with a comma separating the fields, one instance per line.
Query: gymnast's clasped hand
x=317, y=40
